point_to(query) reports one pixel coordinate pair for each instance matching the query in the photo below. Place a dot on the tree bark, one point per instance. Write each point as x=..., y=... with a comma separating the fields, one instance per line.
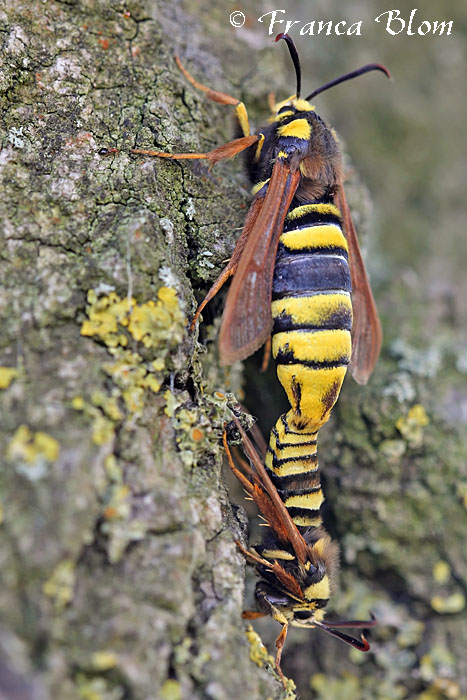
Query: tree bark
x=120, y=575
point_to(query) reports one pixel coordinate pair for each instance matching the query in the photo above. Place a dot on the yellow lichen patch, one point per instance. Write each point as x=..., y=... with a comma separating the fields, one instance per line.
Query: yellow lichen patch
x=31, y=448
x=105, y=314
x=77, y=403
x=60, y=585
x=103, y=427
x=7, y=374
x=171, y=690
x=113, y=469
x=151, y=323
x=139, y=338
x=157, y=325
x=450, y=604
x=103, y=430
x=442, y=689
x=171, y=404
x=258, y=652
x=411, y=426
x=97, y=688
x=441, y=572
x=103, y=660
x=192, y=427
x=109, y=404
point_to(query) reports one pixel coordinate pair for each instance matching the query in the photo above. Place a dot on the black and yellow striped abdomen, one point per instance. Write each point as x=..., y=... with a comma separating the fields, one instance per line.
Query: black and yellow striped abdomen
x=292, y=464
x=312, y=311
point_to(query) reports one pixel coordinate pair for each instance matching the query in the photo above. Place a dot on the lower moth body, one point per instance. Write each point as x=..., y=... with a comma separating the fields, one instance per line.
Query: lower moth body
x=292, y=465
x=312, y=315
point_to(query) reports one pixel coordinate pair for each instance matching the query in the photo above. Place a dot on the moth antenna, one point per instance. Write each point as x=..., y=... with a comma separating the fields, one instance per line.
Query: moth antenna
x=296, y=61
x=349, y=76
x=355, y=624
x=360, y=644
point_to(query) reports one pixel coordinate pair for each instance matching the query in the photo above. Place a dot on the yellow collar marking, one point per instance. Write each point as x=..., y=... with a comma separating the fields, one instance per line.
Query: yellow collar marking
x=298, y=128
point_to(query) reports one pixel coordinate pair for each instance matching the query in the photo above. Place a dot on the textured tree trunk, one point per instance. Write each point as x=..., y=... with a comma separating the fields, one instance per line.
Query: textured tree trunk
x=119, y=575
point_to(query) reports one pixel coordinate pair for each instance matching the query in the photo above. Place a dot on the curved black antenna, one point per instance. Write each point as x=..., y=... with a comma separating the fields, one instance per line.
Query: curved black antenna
x=360, y=644
x=348, y=76
x=295, y=59
x=356, y=624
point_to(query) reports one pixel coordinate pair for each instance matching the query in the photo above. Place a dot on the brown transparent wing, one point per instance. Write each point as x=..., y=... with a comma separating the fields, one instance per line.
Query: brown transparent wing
x=264, y=493
x=366, y=328
x=246, y=322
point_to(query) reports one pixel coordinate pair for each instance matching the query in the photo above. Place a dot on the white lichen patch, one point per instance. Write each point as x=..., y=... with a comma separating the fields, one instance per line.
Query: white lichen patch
x=65, y=186
x=65, y=69
x=190, y=210
x=16, y=42
x=167, y=226
x=421, y=362
x=203, y=260
x=168, y=277
x=16, y=137
x=401, y=387
x=104, y=288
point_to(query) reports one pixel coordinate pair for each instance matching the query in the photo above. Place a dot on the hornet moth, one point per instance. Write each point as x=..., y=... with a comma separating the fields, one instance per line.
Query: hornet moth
x=298, y=273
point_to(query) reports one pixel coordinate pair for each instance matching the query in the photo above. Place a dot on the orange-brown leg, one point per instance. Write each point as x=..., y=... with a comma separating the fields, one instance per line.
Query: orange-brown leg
x=252, y=614
x=226, y=273
x=280, y=641
x=220, y=97
x=231, y=267
x=227, y=150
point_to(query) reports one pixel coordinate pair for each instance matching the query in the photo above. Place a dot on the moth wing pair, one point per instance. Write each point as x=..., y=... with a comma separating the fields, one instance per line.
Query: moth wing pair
x=247, y=321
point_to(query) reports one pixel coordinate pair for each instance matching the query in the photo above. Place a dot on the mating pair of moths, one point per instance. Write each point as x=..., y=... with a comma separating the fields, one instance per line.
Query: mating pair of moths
x=295, y=267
